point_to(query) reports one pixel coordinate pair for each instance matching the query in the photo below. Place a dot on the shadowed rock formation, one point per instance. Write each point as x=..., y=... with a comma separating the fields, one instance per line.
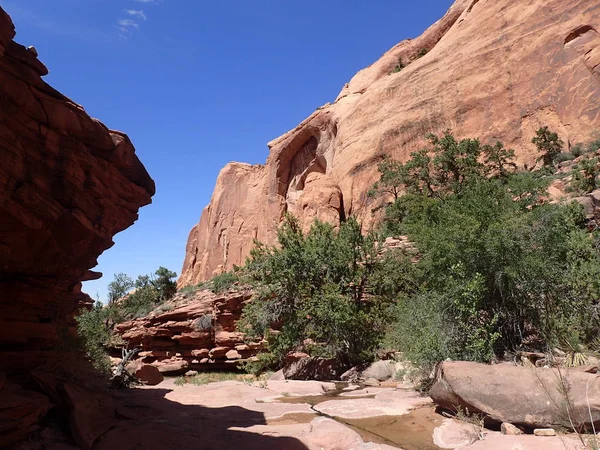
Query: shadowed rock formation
x=497, y=70
x=68, y=184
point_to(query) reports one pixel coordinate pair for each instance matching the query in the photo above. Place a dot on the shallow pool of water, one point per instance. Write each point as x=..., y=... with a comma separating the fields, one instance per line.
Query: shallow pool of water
x=412, y=431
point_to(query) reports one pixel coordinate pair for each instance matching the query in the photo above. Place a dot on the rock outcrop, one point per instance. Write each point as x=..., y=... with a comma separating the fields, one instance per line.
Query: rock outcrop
x=68, y=184
x=528, y=397
x=497, y=70
x=192, y=332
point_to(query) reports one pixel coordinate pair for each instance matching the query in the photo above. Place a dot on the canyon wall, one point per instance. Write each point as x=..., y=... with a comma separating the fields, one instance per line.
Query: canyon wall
x=68, y=184
x=494, y=69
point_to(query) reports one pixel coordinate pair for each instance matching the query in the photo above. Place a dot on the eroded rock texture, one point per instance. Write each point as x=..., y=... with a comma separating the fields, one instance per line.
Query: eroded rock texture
x=494, y=69
x=192, y=332
x=67, y=186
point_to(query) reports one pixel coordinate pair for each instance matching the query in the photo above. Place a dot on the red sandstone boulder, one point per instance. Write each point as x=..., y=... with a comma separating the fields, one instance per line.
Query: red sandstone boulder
x=527, y=397
x=19, y=412
x=145, y=373
x=172, y=367
x=91, y=414
x=300, y=366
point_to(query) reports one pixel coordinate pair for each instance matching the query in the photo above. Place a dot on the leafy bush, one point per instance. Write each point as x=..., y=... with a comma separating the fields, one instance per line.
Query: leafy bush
x=95, y=336
x=499, y=269
x=317, y=290
x=223, y=282
x=585, y=175
x=95, y=327
x=578, y=150
x=422, y=52
x=150, y=292
x=565, y=156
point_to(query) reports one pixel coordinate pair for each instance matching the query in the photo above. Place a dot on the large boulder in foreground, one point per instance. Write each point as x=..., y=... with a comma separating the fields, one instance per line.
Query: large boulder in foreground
x=525, y=396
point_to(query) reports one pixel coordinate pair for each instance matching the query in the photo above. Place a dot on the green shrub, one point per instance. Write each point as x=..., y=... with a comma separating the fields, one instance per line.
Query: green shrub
x=150, y=292
x=585, y=175
x=95, y=336
x=317, y=290
x=95, y=327
x=223, y=282
x=498, y=268
x=564, y=156
x=422, y=52
x=191, y=289
x=578, y=150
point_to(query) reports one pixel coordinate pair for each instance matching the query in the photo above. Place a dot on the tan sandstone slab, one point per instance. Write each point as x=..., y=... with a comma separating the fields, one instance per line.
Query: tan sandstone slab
x=392, y=403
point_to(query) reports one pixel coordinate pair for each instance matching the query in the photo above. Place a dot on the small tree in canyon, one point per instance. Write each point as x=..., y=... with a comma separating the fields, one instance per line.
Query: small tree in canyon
x=317, y=291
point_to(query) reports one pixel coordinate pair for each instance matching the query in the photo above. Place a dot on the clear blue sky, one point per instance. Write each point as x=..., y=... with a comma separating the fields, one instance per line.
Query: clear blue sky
x=198, y=83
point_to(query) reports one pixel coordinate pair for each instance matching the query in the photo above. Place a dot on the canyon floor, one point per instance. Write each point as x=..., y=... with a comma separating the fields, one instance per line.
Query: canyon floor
x=298, y=415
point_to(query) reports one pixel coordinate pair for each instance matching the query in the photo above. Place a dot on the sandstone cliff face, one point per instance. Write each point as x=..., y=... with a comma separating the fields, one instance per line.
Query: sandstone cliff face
x=67, y=186
x=495, y=69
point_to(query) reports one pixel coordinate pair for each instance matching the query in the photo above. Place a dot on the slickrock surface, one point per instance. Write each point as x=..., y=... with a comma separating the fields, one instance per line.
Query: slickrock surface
x=192, y=332
x=67, y=186
x=497, y=70
x=231, y=415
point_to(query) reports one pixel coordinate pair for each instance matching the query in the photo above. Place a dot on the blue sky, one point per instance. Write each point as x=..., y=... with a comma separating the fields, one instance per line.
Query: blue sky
x=197, y=84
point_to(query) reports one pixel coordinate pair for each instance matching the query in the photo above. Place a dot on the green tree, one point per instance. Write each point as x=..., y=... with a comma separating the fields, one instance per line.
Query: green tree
x=499, y=160
x=498, y=268
x=549, y=144
x=317, y=290
x=164, y=283
x=118, y=288
x=95, y=336
x=585, y=175
x=399, y=66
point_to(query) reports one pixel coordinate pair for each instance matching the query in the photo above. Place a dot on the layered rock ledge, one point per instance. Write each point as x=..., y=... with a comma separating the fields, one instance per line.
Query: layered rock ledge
x=192, y=332
x=68, y=184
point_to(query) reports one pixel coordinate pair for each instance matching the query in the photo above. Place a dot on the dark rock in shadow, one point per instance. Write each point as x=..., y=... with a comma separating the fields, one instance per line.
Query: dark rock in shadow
x=147, y=420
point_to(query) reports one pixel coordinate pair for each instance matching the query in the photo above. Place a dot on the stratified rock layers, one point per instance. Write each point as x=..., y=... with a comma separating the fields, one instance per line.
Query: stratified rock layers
x=192, y=331
x=67, y=186
x=497, y=70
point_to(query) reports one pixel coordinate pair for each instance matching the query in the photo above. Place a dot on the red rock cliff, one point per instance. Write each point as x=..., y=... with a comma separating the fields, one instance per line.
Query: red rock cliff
x=67, y=186
x=495, y=69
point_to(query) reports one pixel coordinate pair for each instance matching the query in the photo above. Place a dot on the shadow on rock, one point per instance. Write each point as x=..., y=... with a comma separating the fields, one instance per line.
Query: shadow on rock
x=146, y=419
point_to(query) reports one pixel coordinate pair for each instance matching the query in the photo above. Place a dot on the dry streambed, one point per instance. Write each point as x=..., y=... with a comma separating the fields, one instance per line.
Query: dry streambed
x=307, y=415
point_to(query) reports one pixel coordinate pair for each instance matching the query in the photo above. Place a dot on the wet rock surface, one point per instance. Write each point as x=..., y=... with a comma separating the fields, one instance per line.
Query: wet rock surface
x=228, y=414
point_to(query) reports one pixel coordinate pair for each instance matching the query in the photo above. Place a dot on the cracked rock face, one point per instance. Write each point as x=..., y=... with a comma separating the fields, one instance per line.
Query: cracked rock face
x=68, y=184
x=497, y=70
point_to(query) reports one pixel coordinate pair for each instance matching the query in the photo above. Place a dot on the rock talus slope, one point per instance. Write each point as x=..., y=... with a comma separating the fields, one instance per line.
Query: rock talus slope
x=68, y=184
x=494, y=69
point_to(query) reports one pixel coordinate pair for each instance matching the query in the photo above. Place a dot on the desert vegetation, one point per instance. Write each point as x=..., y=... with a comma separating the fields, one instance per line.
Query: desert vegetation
x=499, y=268
x=493, y=267
x=127, y=299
